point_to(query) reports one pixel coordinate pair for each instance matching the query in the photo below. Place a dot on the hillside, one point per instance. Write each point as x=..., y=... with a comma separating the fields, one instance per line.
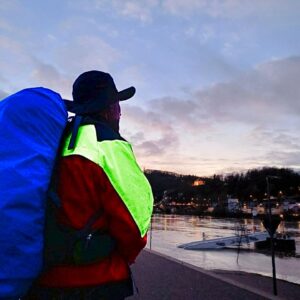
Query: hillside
x=244, y=186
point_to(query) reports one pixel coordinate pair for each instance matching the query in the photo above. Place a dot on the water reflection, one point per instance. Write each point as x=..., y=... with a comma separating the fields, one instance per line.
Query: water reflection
x=169, y=231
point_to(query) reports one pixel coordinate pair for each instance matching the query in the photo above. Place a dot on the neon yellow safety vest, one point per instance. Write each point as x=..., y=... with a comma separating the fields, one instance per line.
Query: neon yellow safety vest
x=117, y=160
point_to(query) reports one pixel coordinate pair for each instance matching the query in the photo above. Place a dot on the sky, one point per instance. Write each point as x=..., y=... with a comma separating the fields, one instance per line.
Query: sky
x=218, y=82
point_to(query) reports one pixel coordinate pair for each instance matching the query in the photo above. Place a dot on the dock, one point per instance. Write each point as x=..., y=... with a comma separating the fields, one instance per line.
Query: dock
x=223, y=242
x=159, y=277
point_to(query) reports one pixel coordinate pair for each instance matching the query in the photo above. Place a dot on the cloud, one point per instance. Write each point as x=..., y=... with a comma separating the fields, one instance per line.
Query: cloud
x=21, y=68
x=183, y=6
x=147, y=119
x=268, y=92
x=10, y=44
x=5, y=26
x=260, y=106
x=3, y=95
x=153, y=147
x=156, y=148
x=86, y=52
x=284, y=158
x=130, y=75
x=150, y=132
x=265, y=138
x=44, y=74
x=15, y=64
x=281, y=157
x=141, y=10
x=231, y=8
x=8, y=6
x=182, y=114
x=146, y=10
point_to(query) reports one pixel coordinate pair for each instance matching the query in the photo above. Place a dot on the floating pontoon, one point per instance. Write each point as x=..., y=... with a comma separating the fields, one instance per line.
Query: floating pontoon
x=225, y=242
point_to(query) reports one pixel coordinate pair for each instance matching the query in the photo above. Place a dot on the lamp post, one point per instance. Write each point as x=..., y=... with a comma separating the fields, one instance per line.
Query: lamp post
x=151, y=228
x=271, y=231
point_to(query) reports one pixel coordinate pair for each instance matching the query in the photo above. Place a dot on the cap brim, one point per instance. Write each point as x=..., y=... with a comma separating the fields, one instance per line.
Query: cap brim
x=126, y=94
x=70, y=105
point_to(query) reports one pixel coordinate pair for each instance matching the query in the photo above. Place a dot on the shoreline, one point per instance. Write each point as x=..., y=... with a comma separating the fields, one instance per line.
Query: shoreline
x=287, y=218
x=159, y=276
x=220, y=272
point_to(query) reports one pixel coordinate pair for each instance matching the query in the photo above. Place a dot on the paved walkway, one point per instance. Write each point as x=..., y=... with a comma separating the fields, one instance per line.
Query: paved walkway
x=159, y=277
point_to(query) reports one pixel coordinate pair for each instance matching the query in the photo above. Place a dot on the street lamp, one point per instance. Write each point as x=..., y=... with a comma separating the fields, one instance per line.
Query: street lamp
x=271, y=230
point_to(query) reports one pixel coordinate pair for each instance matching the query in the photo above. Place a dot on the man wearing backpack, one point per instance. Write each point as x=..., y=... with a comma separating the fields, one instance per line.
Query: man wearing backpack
x=105, y=203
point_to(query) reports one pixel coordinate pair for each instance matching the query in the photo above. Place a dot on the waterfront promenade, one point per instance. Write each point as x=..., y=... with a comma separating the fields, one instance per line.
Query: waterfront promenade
x=159, y=277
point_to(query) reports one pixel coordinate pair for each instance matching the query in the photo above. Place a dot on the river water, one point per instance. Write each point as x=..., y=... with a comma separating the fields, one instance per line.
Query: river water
x=169, y=231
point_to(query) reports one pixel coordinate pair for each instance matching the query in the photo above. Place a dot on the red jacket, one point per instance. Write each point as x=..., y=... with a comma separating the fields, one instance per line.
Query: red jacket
x=83, y=189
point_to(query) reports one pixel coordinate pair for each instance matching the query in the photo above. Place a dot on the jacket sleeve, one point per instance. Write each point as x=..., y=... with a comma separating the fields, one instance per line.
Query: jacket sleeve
x=84, y=189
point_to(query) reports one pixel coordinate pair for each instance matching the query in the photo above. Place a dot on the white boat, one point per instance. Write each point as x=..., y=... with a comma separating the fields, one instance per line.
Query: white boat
x=224, y=242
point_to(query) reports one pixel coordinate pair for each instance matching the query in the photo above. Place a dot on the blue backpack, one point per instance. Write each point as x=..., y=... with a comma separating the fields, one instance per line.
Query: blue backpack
x=32, y=123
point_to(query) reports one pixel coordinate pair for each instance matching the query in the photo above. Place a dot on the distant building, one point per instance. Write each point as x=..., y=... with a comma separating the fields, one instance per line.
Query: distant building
x=232, y=204
x=198, y=182
x=291, y=205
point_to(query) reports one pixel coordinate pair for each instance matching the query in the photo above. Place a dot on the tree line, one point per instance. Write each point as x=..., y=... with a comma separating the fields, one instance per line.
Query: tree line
x=244, y=186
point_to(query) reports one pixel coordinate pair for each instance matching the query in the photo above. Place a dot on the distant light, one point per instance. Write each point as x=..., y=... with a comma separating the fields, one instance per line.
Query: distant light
x=198, y=182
